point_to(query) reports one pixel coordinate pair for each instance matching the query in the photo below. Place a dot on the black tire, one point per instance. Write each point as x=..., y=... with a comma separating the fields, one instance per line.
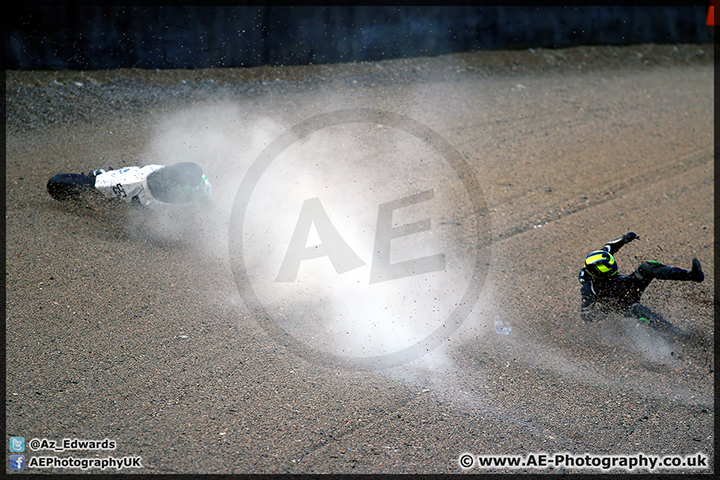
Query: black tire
x=70, y=186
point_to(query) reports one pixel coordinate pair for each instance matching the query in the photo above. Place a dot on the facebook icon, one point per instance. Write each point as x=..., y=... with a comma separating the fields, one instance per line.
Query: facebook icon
x=17, y=462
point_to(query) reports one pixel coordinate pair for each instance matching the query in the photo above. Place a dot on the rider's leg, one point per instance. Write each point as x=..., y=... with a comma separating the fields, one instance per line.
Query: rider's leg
x=649, y=270
x=653, y=319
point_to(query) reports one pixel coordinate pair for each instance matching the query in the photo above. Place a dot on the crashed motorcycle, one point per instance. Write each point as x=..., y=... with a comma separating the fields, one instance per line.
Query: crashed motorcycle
x=181, y=183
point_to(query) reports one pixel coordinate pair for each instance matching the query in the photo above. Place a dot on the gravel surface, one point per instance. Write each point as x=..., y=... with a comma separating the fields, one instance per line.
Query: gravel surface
x=127, y=324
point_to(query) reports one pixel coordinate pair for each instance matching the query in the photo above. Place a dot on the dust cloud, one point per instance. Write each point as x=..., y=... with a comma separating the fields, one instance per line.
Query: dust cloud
x=350, y=171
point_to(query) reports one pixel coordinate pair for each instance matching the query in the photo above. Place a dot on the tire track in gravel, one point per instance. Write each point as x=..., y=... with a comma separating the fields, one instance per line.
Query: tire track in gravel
x=610, y=192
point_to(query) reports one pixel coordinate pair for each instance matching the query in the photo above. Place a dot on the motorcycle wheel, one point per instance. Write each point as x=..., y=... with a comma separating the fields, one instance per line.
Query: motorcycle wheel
x=70, y=186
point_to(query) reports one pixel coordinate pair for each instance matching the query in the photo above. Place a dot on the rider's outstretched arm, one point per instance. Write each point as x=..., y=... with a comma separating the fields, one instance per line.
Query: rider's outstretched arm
x=614, y=245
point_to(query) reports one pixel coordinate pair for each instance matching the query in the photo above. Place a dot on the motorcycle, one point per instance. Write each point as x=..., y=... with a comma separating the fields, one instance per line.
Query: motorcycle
x=177, y=184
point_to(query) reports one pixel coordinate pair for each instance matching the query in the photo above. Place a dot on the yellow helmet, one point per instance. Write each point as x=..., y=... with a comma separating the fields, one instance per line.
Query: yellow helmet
x=600, y=264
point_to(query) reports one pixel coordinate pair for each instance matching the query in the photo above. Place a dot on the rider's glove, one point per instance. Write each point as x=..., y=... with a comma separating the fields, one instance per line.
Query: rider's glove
x=629, y=237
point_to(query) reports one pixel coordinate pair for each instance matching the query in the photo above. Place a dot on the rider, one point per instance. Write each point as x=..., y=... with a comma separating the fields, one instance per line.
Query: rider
x=601, y=281
x=174, y=184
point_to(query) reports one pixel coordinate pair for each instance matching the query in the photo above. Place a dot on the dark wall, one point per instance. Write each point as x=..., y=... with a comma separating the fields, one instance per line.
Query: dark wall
x=99, y=37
